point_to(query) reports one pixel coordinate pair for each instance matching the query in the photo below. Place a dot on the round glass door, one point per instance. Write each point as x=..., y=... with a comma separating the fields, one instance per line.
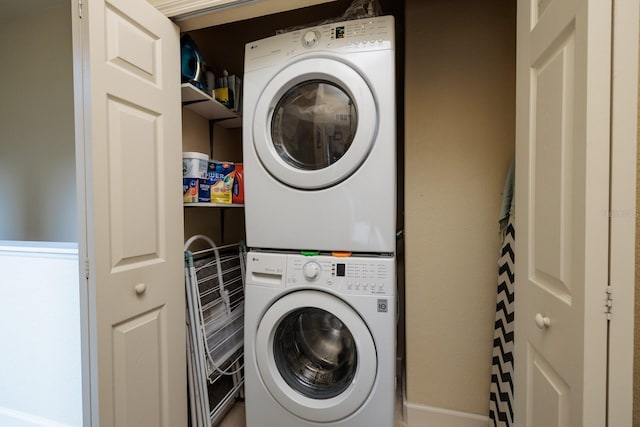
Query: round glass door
x=316, y=356
x=315, y=353
x=314, y=124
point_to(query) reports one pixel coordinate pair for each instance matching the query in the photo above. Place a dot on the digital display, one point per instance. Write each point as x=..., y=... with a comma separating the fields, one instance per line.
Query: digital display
x=340, y=32
x=340, y=269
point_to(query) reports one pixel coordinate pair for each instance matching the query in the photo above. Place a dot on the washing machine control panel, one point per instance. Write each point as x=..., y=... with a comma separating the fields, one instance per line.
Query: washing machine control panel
x=354, y=276
x=358, y=35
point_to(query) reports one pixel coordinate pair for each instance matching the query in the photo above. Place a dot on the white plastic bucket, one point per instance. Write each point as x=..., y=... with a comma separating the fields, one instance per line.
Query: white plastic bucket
x=194, y=165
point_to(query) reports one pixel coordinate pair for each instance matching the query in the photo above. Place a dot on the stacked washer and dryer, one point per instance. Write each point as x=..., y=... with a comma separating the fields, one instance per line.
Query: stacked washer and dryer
x=319, y=148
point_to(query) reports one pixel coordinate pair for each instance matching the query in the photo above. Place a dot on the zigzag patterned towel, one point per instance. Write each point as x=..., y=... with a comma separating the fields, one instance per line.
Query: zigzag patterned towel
x=501, y=396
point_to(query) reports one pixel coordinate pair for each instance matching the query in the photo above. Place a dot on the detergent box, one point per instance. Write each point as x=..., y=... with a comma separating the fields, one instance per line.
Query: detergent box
x=190, y=190
x=220, y=177
x=204, y=191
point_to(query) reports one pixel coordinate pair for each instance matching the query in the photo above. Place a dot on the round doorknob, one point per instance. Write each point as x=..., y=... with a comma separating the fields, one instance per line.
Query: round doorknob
x=140, y=288
x=542, y=321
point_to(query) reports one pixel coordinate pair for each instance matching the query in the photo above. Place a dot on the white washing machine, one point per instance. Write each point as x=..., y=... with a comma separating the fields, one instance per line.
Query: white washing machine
x=319, y=340
x=319, y=138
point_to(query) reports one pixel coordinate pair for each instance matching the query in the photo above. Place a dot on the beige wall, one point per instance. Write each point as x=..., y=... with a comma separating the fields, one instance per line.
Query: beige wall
x=460, y=114
x=37, y=146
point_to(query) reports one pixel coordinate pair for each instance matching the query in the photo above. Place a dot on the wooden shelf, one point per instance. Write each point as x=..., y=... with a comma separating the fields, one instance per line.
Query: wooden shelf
x=190, y=93
x=213, y=205
x=204, y=105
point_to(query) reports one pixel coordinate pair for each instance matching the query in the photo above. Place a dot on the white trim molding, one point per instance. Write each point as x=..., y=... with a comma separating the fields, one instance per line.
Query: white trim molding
x=173, y=8
x=195, y=14
x=423, y=415
x=623, y=211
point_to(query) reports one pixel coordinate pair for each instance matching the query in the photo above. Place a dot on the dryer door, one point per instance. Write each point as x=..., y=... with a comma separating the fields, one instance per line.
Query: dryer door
x=315, y=123
x=316, y=356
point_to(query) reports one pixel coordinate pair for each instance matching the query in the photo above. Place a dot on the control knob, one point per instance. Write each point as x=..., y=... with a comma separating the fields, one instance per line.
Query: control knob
x=311, y=270
x=310, y=39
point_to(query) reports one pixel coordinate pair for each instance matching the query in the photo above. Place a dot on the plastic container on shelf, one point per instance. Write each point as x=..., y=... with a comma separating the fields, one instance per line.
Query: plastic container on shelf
x=194, y=165
x=238, y=185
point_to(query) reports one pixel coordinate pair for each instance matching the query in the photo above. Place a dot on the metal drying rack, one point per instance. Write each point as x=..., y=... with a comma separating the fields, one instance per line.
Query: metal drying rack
x=214, y=279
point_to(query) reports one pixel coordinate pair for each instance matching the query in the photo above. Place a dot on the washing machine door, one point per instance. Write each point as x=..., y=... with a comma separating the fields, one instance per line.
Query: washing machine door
x=316, y=356
x=315, y=123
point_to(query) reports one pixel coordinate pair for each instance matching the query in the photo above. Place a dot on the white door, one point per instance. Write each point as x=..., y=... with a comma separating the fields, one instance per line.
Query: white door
x=134, y=237
x=562, y=194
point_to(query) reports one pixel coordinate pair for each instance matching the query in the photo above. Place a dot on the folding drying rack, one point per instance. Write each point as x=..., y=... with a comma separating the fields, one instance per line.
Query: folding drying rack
x=214, y=279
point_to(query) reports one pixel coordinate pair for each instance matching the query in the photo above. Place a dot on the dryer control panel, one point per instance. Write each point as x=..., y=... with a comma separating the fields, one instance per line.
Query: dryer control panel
x=351, y=275
x=360, y=35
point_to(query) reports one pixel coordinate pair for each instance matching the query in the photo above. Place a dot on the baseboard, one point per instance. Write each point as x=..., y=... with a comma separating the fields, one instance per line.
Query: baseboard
x=423, y=416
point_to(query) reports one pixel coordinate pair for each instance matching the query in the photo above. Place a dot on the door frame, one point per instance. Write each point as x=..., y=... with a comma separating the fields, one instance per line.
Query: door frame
x=622, y=208
x=87, y=327
x=623, y=211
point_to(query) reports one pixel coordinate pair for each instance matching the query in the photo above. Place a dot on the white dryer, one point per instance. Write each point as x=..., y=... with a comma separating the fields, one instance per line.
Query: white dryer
x=319, y=340
x=319, y=138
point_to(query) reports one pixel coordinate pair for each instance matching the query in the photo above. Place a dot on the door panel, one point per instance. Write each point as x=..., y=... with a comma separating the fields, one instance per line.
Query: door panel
x=552, y=186
x=548, y=391
x=562, y=187
x=138, y=370
x=130, y=46
x=134, y=215
x=133, y=182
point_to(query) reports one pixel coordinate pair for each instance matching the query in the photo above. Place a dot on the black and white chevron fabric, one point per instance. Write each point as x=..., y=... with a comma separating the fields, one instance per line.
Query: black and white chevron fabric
x=501, y=396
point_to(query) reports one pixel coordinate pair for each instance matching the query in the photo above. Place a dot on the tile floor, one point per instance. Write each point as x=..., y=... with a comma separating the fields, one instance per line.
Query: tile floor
x=235, y=417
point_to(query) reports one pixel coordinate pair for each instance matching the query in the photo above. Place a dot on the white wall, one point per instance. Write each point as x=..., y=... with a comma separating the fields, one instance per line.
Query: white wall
x=37, y=152
x=40, y=371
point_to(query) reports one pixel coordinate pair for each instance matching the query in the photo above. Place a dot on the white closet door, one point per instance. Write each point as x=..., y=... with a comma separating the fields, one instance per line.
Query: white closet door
x=562, y=200
x=132, y=144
